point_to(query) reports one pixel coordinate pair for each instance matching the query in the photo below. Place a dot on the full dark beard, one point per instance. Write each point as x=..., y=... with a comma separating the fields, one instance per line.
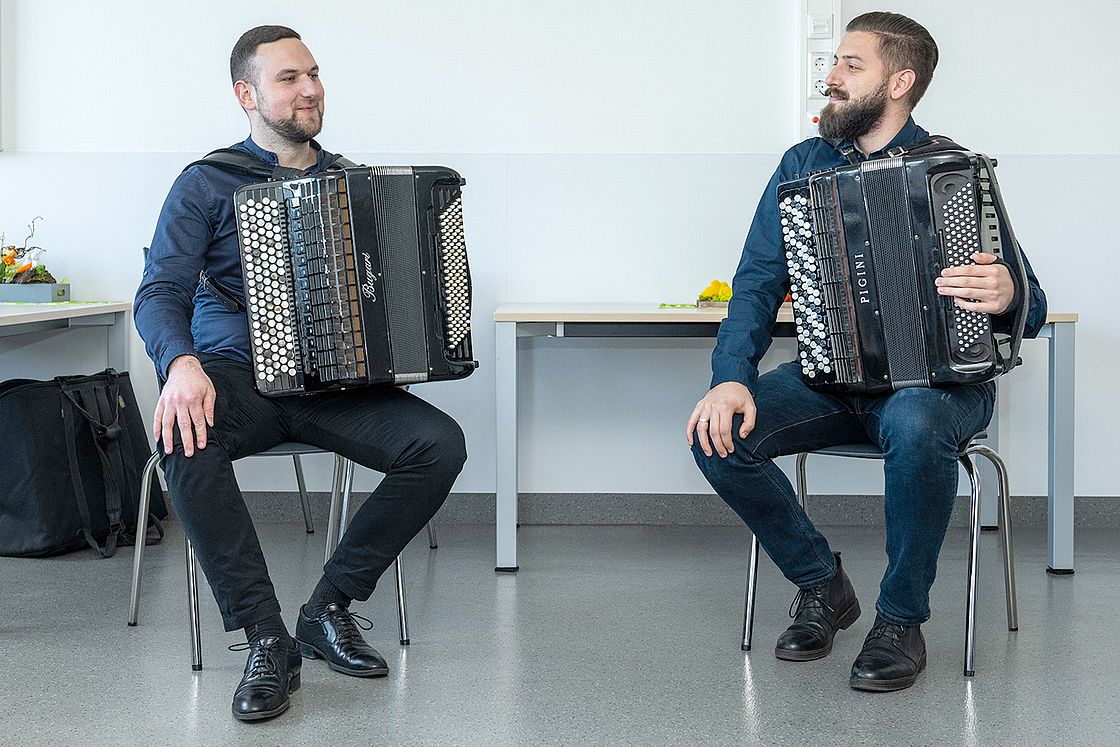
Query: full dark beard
x=291, y=129
x=855, y=118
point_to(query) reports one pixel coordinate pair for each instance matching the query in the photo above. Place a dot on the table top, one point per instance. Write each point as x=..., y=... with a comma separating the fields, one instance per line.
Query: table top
x=23, y=313
x=602, y=312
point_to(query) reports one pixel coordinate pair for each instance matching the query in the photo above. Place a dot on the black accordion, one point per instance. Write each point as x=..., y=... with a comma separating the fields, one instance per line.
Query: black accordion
x=864, y=245
x=356, y=276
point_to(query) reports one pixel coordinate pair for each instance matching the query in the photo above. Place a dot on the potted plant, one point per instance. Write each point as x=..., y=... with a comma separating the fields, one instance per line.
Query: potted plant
x=24, y=278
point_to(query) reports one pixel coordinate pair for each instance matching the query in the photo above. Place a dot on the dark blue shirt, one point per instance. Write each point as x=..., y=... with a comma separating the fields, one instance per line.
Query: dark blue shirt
x=196, y=231
x=762, y=281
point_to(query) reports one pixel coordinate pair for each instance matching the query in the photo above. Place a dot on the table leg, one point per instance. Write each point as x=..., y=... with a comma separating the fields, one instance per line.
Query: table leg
x=119, y=335
x=505, y=374
x=1060, y=450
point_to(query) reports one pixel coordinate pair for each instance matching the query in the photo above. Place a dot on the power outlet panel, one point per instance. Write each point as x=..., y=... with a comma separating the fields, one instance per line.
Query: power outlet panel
x=819, y=32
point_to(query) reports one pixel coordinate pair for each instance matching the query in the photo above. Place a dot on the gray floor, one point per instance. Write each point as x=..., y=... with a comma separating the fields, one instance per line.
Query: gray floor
x=608, y=635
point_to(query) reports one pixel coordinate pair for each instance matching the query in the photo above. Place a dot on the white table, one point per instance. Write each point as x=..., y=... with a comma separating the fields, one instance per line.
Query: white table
x=514, y=321
x=26, y=318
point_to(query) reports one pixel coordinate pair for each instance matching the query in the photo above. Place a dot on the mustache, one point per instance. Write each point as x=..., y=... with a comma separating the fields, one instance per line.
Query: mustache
x=842, y=95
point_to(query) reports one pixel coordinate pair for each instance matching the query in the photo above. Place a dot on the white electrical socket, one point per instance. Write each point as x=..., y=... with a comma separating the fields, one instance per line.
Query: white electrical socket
x=820, y=62
x=820, y=88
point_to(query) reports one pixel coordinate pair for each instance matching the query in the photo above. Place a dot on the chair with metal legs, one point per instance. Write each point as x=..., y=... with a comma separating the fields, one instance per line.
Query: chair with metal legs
x=339, y=512
x=870, y=451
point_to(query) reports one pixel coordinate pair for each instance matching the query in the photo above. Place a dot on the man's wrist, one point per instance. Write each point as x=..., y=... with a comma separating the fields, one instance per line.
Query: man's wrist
x=186, y=359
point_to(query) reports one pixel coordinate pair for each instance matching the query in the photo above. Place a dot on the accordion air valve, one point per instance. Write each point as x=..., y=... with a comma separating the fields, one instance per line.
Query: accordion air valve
x=356, y=276
x=864, y=246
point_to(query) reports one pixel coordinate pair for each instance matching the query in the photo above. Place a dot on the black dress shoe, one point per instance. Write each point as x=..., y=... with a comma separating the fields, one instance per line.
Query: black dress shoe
x=334, y=636
x=817, y=615
x=271, y=675
x=891, y=658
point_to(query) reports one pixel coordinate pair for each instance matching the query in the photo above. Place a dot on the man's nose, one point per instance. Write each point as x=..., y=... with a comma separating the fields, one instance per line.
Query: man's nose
x=831, y=80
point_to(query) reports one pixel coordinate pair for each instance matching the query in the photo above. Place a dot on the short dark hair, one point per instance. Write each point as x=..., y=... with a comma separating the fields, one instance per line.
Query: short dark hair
x=241, y=59
x=904, y=44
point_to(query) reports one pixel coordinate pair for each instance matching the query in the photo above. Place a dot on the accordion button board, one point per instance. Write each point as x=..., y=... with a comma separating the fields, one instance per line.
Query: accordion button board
x=355, y=277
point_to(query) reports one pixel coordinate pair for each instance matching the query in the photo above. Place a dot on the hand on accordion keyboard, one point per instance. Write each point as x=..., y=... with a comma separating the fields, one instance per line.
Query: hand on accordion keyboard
x=712, y=418
x=985, y=286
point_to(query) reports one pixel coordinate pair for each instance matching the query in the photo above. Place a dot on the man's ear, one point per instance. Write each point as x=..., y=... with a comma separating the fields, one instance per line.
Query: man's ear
x=246, y=95
x=902, y=82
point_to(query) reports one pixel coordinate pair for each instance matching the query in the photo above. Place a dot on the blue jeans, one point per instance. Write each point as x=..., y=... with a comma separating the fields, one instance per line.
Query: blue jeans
x=419, y=448
x=920, y=432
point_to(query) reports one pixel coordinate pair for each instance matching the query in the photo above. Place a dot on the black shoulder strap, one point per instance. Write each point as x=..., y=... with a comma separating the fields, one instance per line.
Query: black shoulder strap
x=246, y=164
x=931, y=144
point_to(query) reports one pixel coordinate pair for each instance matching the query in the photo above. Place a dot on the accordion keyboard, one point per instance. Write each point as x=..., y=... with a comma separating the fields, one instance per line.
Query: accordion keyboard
x=825, y=334
x=301, y=285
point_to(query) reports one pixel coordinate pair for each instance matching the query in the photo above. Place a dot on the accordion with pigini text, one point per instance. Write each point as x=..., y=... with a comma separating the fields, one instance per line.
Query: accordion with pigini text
x=864, y=245
x=356, y=276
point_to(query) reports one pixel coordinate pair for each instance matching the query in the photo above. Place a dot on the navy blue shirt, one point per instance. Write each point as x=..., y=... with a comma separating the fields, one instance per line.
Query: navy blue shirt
x=762, y=281
x=196, y=231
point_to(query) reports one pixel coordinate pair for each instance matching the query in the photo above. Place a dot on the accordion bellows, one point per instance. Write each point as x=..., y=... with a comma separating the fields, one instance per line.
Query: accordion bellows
x=356, y=276
x=864, y=245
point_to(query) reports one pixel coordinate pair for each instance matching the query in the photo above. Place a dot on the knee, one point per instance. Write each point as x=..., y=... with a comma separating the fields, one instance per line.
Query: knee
x=918, y=424
x=717, y=468
x=444, y=447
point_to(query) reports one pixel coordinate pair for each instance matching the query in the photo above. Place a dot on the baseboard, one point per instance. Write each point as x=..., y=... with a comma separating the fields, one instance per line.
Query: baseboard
x=671, y=509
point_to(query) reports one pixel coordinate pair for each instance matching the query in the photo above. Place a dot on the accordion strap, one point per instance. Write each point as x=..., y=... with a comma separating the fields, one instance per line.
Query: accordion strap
x=246, y=164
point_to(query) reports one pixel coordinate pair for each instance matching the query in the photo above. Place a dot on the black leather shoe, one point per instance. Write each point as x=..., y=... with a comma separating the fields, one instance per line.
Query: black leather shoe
x=271, y=675
x=334, y=636
x=891, y=658
x=817, y=615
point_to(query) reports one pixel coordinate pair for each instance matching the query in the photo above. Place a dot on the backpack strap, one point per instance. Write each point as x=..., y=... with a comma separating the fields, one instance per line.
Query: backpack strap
x=72, y=396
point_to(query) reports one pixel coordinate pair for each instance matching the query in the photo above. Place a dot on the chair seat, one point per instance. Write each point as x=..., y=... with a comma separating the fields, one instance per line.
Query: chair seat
x=291, y=448
x=868, y=450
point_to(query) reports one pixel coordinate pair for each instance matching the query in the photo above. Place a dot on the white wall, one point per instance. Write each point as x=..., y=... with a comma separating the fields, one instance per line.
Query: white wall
x=613, y=151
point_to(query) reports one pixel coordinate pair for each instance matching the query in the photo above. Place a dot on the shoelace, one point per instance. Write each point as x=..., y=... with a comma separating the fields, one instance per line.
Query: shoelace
x=260, y=657
x=807, y=599
x=347, y=624
x=882, y=628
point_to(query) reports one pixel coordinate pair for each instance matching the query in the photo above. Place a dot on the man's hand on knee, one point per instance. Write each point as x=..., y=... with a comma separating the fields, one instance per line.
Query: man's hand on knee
x=187, y=399
x=712, y=416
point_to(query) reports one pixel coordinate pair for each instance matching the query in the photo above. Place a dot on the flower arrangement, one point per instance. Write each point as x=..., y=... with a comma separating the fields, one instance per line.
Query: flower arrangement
x=21, y=264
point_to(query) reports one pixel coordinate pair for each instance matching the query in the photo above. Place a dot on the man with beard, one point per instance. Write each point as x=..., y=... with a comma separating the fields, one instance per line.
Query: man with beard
x=209, y=412
x=882, y=67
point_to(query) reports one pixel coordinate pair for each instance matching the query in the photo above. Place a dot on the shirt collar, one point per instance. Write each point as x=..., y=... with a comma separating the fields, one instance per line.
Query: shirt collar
x=909, y=133
x=321, y=156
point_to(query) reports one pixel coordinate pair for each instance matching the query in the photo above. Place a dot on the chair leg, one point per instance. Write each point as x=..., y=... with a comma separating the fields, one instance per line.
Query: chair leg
x=432, y=542
x=1006, y=543
x=752, y=586
x=347, y=485
x=308, y=522
x=335, y=510
x=192, y=608
x=141, y=533
x=802, y=484
x=973, y=568
x=402, y=612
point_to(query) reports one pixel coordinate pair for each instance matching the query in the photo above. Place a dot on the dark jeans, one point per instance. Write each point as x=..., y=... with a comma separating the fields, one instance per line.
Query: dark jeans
x=419, y=448
x=920, y=432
